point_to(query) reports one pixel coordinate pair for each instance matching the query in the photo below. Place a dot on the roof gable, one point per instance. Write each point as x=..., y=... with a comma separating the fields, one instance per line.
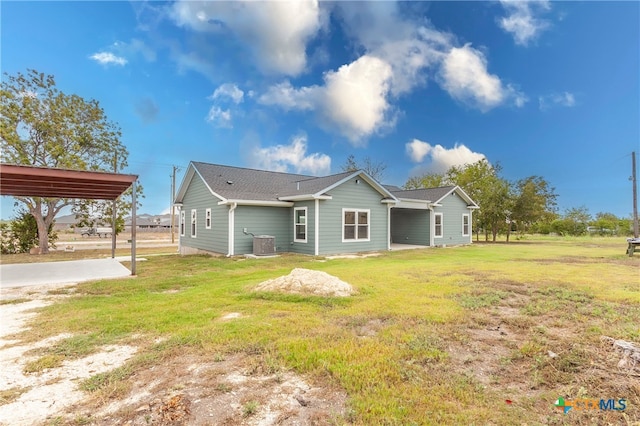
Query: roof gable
x=434, y=195
x=243, y=184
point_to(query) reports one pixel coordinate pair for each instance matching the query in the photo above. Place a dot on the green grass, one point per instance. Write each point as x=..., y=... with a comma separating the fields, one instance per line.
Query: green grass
x=389, y=346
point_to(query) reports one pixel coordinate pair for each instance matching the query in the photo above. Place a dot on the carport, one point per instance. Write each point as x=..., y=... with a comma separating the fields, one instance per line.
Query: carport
x=28, y=181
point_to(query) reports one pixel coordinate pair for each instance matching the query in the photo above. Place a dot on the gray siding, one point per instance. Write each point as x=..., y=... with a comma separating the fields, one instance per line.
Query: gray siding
x=453, y=207
x=409, y=226
x=357, y=196
x=275, y=221
x=309, y=246
x=199, y=197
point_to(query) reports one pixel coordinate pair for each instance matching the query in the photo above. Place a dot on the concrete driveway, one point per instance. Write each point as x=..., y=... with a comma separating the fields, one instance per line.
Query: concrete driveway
x=75, y=271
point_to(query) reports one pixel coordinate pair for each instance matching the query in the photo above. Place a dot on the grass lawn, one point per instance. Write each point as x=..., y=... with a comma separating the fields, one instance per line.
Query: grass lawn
x=484, y=334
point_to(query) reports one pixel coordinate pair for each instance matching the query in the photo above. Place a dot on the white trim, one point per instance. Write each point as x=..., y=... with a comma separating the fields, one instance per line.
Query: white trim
x=186, y=181
x=316, y=236
x=296, y=224
x=193, y=230
x=207, y=218
x=461, y=193
x=388, y=226
x=230, y=202
x=305, y=197
x=364, y=175
x=183, y=223
x=232, y=227
x=356, y=239
x=441, y=225
x=468, y=224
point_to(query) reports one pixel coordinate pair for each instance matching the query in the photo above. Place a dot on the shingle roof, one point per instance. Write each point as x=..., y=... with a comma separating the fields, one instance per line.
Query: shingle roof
x=237, y=183
x=428, y=194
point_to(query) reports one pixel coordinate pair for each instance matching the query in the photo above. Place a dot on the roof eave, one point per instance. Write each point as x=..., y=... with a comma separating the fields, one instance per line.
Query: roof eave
x=263, y=203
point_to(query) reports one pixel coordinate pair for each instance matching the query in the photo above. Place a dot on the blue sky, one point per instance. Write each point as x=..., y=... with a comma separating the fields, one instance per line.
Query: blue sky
x=543, y=88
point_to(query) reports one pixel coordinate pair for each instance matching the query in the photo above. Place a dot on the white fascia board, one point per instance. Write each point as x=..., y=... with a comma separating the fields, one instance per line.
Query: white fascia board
x=388, y=201
x=462, y=194
x=257, y=203
x=361, y=173
x=192, y=171
x=306, y=197
x=407, y=203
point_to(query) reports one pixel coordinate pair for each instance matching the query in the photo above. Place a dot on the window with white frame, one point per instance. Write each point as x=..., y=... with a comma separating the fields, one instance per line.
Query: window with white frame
x=182, y=225
x=438, y=225
x=207, y=219
x=300, y=224
x=465, y=225
x=355, y=225
x=194, y=221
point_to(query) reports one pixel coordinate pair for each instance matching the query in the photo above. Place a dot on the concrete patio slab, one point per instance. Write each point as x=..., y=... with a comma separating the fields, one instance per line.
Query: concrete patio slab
x=75, y=271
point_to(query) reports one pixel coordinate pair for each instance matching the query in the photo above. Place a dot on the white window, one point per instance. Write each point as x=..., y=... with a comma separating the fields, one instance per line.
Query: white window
x=355, y=225
x=207, y=219
x=300, y=224
x=465, y=225
x=194, y=220
x=438, y=225
x=182, y=223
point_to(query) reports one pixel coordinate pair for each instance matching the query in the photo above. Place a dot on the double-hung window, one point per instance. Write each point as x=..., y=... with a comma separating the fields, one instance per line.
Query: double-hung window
x=465, y=225
x=207, y=219
x=438, y=225
x=182, y=223
x=355, y=225
x=194, y=221
x=300, y=224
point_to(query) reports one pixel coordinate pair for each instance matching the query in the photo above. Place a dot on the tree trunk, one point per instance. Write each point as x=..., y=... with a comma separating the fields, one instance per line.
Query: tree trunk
x=43, y=222
x=508, y=231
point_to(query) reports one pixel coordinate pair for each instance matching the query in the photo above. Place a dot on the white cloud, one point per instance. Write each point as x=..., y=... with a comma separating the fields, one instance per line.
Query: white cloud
x=409, y=47
x=289, y=98
x=521, y=20
x=108, y=58
x=353, y=99
x=440, y=159
x=219, y=117
x=228, y=90
x=564, y=99
x=276, y=32
x=417, y=150
x=291, y=158
x=465, y=76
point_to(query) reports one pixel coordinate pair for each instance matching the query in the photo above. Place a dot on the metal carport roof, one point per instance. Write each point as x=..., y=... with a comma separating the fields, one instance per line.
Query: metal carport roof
x=30, y=181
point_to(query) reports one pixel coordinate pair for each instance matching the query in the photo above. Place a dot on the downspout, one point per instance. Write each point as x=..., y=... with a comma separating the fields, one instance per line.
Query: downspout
x=179, y=227
x=317, y=227
x=432, y=226
x=232, y=229
x=389, y=227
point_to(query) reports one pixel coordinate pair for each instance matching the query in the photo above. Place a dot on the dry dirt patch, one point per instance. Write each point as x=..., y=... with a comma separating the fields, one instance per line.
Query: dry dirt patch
x=38, y=396
x=196, y=390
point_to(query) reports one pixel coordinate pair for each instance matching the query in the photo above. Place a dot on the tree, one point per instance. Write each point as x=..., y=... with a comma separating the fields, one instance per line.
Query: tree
x=373, y=169
x=428, y=180
x=92, y=213
x=21, y=235
x=41, y=126
x=481, y=182
x=534, y=199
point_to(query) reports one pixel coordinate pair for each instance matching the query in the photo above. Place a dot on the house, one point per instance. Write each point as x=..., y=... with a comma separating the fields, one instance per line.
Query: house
x=222, y=209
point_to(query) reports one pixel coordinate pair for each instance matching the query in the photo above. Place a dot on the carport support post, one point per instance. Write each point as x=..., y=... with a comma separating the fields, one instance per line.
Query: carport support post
x=133, y=226
x=114, y=216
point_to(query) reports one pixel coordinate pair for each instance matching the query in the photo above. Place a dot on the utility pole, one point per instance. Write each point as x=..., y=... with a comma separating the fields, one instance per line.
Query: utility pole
x=635, y=195
x=173, y=196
